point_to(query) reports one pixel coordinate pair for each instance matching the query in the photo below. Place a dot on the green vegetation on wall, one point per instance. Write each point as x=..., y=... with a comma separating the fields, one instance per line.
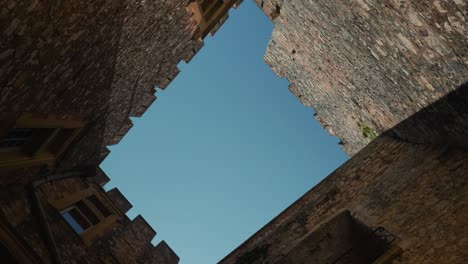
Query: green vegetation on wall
x=367, y=132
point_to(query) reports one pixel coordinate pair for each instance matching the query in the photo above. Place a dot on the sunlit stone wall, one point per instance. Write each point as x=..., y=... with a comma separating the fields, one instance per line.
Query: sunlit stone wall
x=364, y=65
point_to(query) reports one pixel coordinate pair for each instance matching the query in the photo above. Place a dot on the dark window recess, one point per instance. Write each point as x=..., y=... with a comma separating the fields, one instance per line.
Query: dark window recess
x=209, y=13
x=99, y=205
x=204, y=4
x=16, y=138
x=76, y=220
x=27, y=140
x=38, y=139
x=31, y=140
x=81, y=217
x=87, y=212
x=62, y=136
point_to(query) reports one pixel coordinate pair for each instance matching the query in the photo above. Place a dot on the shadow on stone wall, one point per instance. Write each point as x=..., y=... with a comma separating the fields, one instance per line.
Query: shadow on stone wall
x=97, y=61
x=443, y=123
x=60, y=58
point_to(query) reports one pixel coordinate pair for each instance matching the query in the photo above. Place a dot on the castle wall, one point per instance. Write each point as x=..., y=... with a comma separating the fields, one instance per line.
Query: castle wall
x=395, y=69
x=124, y=241
x=367, y=65
x=415, y=192
x=99, y=61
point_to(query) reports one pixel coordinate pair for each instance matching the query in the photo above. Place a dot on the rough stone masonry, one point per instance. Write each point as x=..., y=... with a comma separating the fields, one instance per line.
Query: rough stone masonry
x=393, y=72
x=413, y=188
x=97, y=62
x=365, y=64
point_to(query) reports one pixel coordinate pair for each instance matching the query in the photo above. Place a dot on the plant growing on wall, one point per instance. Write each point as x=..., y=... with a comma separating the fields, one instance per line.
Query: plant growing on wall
x=367, y=132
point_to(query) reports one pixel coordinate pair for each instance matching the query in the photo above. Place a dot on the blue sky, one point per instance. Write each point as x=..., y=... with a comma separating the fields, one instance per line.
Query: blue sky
x=224, y=149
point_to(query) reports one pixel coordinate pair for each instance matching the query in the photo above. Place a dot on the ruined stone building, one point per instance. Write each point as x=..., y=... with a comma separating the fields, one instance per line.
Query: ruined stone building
x=389, y=78
x=72, y=73
x=386, y=77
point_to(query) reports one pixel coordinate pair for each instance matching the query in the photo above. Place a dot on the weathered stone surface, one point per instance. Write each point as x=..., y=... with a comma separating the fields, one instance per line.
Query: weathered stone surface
x=365, y=63
x=126, y=241
x=99, y=61
x=341, y=239
x=394, y=68
x=414, y=192
x=411, y=181
x=443, y=123
x=120, y=202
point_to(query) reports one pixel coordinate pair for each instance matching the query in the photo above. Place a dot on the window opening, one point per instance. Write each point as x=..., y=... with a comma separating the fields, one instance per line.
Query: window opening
x=99, y=206
x=85, y=214
x=76, y=219
x=16, y=138
x=28, y=140
x=62, y=137
x=208, y=14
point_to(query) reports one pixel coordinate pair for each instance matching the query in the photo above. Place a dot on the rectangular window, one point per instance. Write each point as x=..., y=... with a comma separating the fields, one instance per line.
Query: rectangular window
x=62, y=136
x=212, y=9
x=22, y=138
x=16, y=138
x=208, y=15
x=29, y=140
x=85, y=214
x=99, y=206
x=39, y=137
x=76, y=219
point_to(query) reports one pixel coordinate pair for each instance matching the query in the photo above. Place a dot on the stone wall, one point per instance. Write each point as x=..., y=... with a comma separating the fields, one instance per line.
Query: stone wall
x=99, y=61
x=272, y=8
x=415, y=192
x=125, y=241
x=339, y=240
x=367, y=65
x=443, y=123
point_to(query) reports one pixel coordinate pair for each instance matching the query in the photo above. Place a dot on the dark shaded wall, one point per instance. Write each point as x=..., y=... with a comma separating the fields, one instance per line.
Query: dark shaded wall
x=411, y=181
x=443, y=123
x=99, y=61
x=415, y=192
x=341, y=240
x=125, y=241
x=368, y=64
x=399, y=70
